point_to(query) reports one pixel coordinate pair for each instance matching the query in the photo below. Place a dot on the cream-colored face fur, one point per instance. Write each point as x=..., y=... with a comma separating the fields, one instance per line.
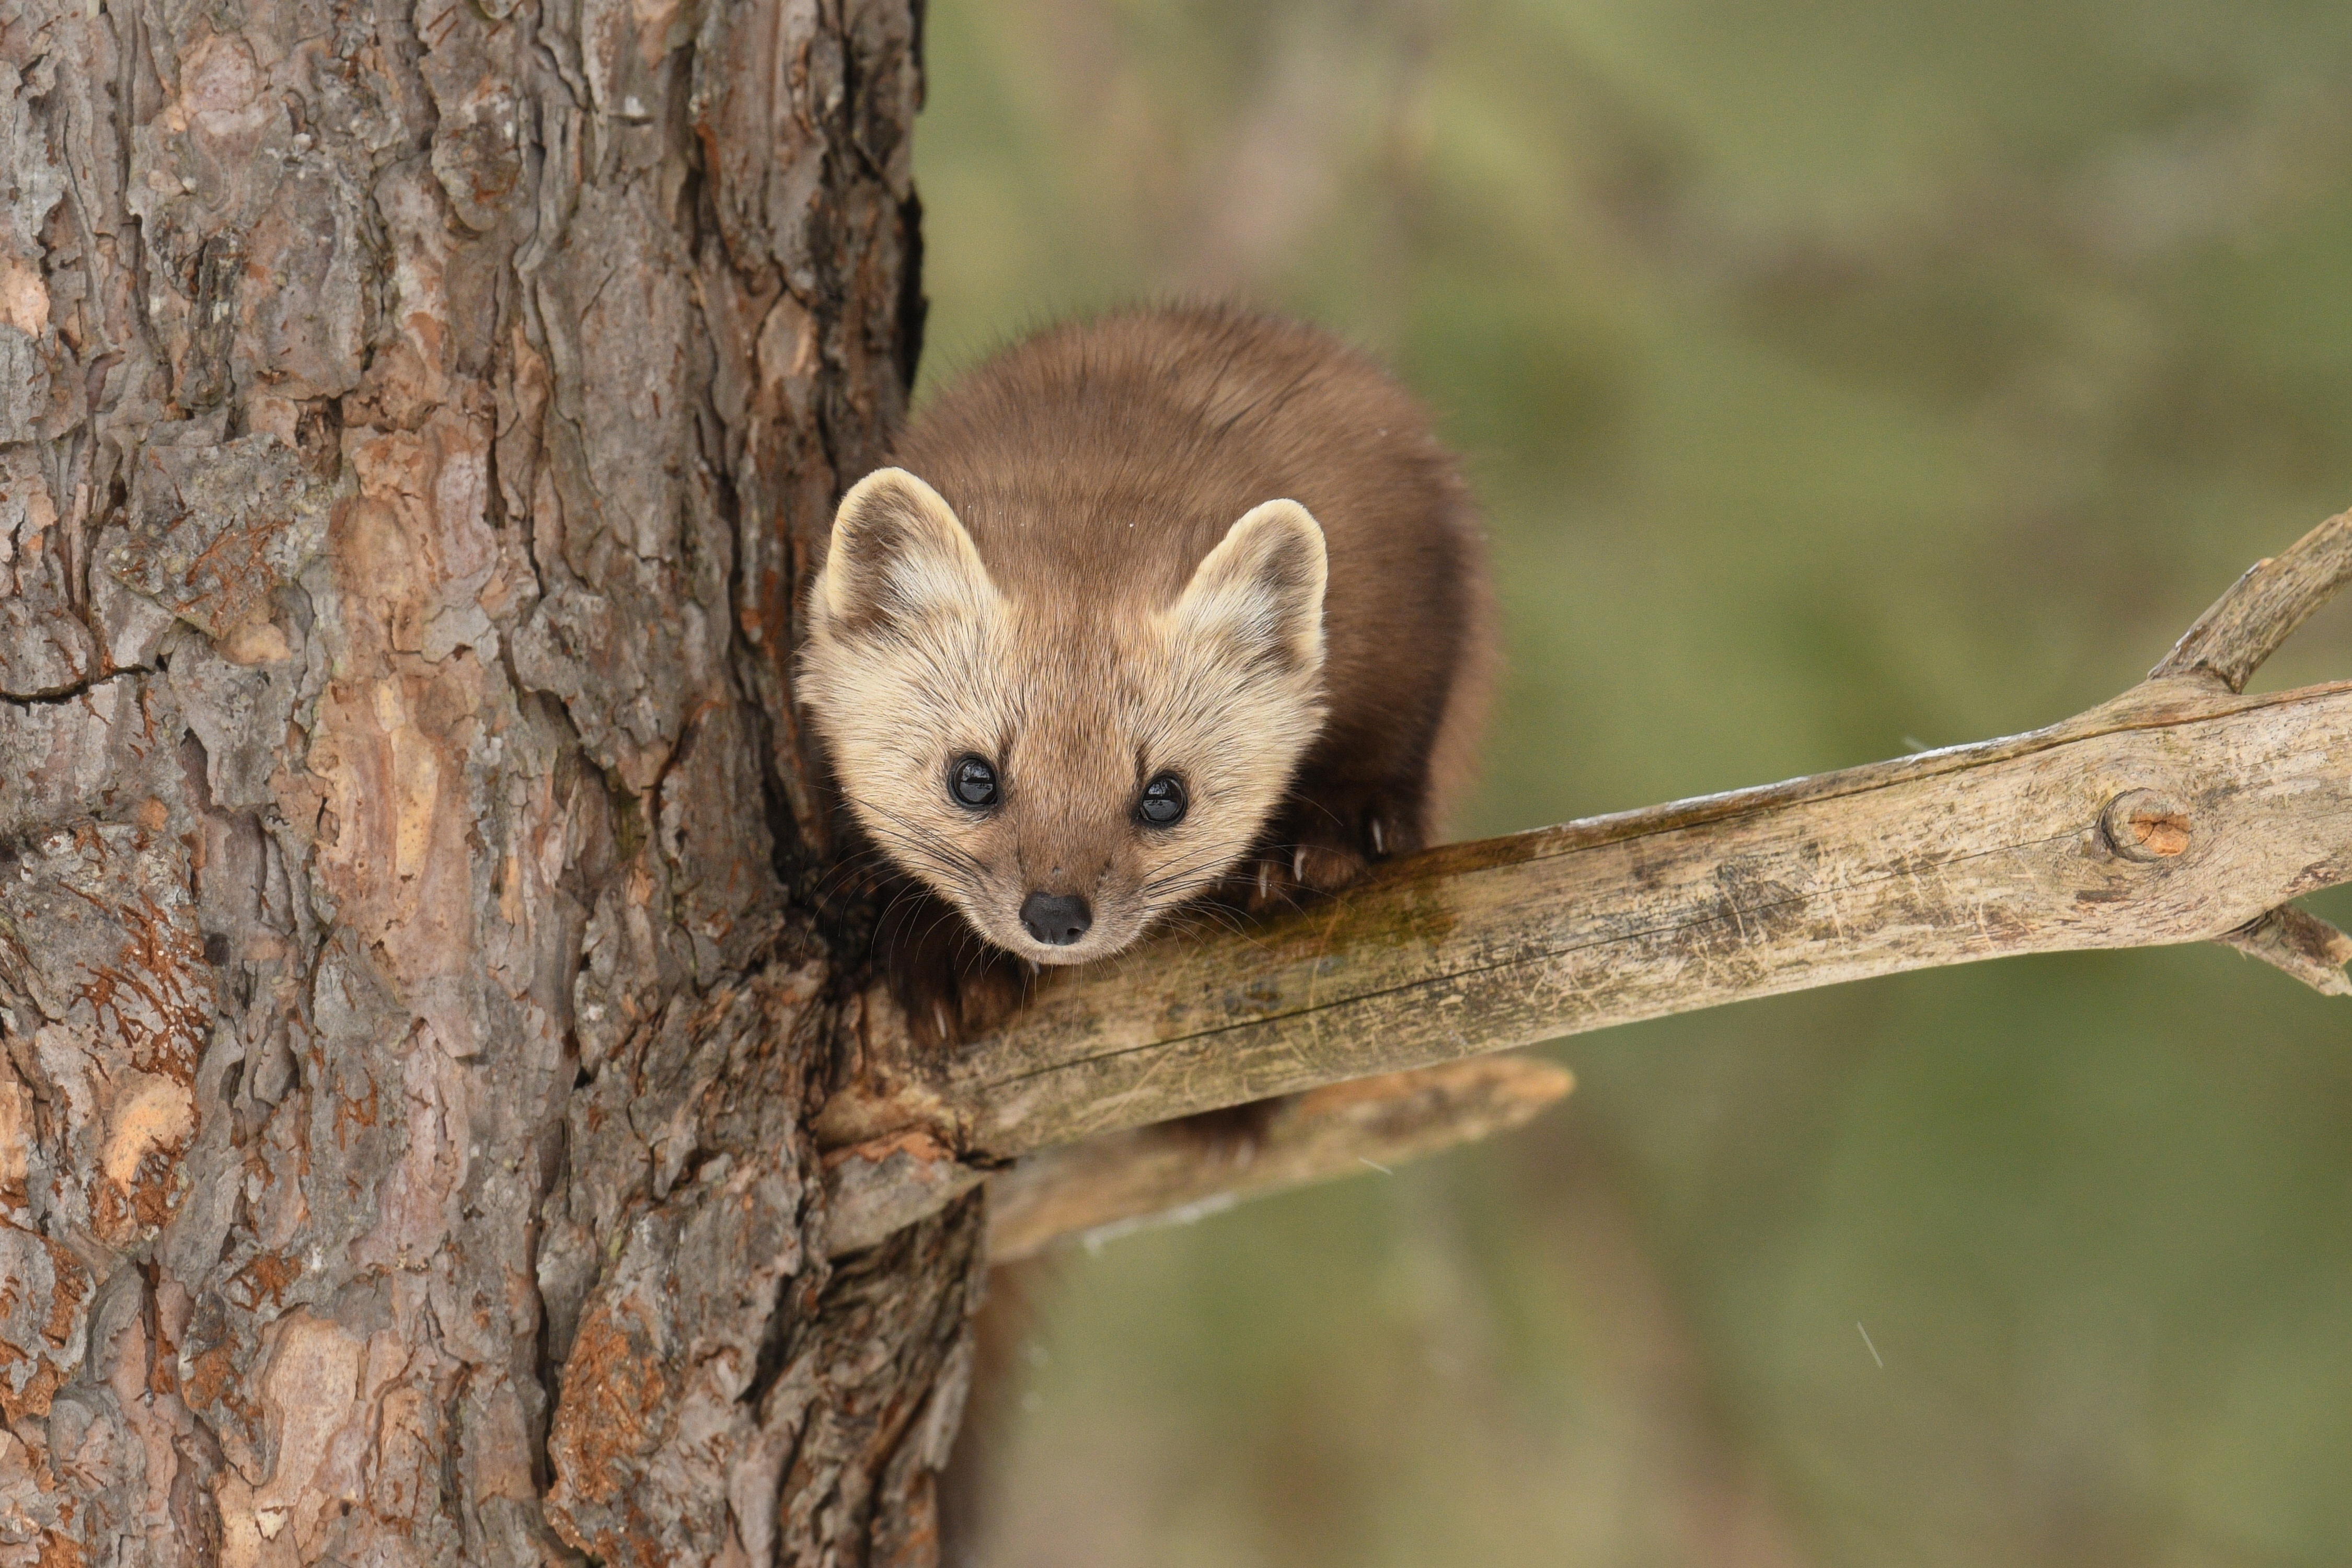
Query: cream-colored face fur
x=915, y=661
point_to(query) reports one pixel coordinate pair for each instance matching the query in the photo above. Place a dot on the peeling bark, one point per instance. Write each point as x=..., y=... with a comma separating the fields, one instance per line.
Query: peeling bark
x=413, y=424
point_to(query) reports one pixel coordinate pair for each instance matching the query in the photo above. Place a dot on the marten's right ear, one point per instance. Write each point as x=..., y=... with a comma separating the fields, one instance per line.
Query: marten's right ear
x=1261, y=589
x=899, y=555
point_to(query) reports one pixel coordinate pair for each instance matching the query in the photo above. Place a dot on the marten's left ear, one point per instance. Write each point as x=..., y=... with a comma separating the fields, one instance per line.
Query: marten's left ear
x=1262, y=587
x=898, y=555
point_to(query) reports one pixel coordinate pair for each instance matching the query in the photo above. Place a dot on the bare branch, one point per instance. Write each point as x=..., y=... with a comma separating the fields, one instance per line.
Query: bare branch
x=2263, y=608
x=1123, y=1180
x=2301, y=943
x=1972, y=853
x=1148, y=1175
x=2178, y=812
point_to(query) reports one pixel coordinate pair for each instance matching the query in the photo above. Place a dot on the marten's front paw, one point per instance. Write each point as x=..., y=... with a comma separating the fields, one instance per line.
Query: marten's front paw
x=952, y=985
x=948, y=1007
x=946, y=1004
x=1288, y=876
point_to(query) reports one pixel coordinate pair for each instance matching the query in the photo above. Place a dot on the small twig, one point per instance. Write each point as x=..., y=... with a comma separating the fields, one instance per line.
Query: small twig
x=2299, y=942
x=1123, y=1180
x=2262, y=610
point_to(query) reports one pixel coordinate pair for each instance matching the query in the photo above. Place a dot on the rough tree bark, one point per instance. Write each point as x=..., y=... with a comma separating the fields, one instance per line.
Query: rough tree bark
x=414, y=420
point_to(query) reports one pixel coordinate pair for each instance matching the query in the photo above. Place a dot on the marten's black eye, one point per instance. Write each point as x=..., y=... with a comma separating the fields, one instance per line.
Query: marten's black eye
x=1163, y=803
x=972, y=782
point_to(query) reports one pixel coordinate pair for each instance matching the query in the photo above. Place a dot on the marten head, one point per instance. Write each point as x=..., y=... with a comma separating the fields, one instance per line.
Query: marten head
x=1064, y=770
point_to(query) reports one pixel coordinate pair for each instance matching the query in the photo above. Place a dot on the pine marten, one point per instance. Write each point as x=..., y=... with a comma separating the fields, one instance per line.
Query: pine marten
x=1169, y=607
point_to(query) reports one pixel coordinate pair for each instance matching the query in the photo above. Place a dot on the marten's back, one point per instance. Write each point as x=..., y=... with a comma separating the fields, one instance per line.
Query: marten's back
x=1095, y=464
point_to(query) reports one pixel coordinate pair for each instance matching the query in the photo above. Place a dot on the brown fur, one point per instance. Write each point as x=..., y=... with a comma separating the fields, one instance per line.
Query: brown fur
x=1040, y=599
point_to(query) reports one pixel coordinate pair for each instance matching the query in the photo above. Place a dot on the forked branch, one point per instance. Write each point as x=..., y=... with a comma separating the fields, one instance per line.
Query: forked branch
x=2263, y=608
x=2181, y=811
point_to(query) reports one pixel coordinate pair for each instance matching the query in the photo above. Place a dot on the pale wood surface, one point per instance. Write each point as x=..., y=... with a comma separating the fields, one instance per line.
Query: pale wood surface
x=2263, y=609
x=2236, y=804
x=2302, y=944
x=1974, y=852
x=2181, y=811
x=1174, y=1171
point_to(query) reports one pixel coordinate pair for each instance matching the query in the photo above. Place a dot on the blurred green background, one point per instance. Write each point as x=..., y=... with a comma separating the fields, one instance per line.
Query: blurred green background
x=1839, y=377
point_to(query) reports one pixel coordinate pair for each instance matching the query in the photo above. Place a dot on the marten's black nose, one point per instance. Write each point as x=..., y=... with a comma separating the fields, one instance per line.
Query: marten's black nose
x=1056, y=920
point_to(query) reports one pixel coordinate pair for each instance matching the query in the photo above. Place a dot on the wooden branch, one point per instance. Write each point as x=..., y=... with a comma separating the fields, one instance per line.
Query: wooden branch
x=2301, y=943
x=2263, y=609
x=1178, y=1169
x=1970, y=853
x=2181, y=811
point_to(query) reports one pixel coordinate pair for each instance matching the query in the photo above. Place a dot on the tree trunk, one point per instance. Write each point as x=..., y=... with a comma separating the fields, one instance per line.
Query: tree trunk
x=413, y=426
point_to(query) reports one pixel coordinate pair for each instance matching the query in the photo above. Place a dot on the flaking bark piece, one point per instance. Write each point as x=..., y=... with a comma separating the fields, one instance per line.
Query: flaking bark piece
x=214, y=529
